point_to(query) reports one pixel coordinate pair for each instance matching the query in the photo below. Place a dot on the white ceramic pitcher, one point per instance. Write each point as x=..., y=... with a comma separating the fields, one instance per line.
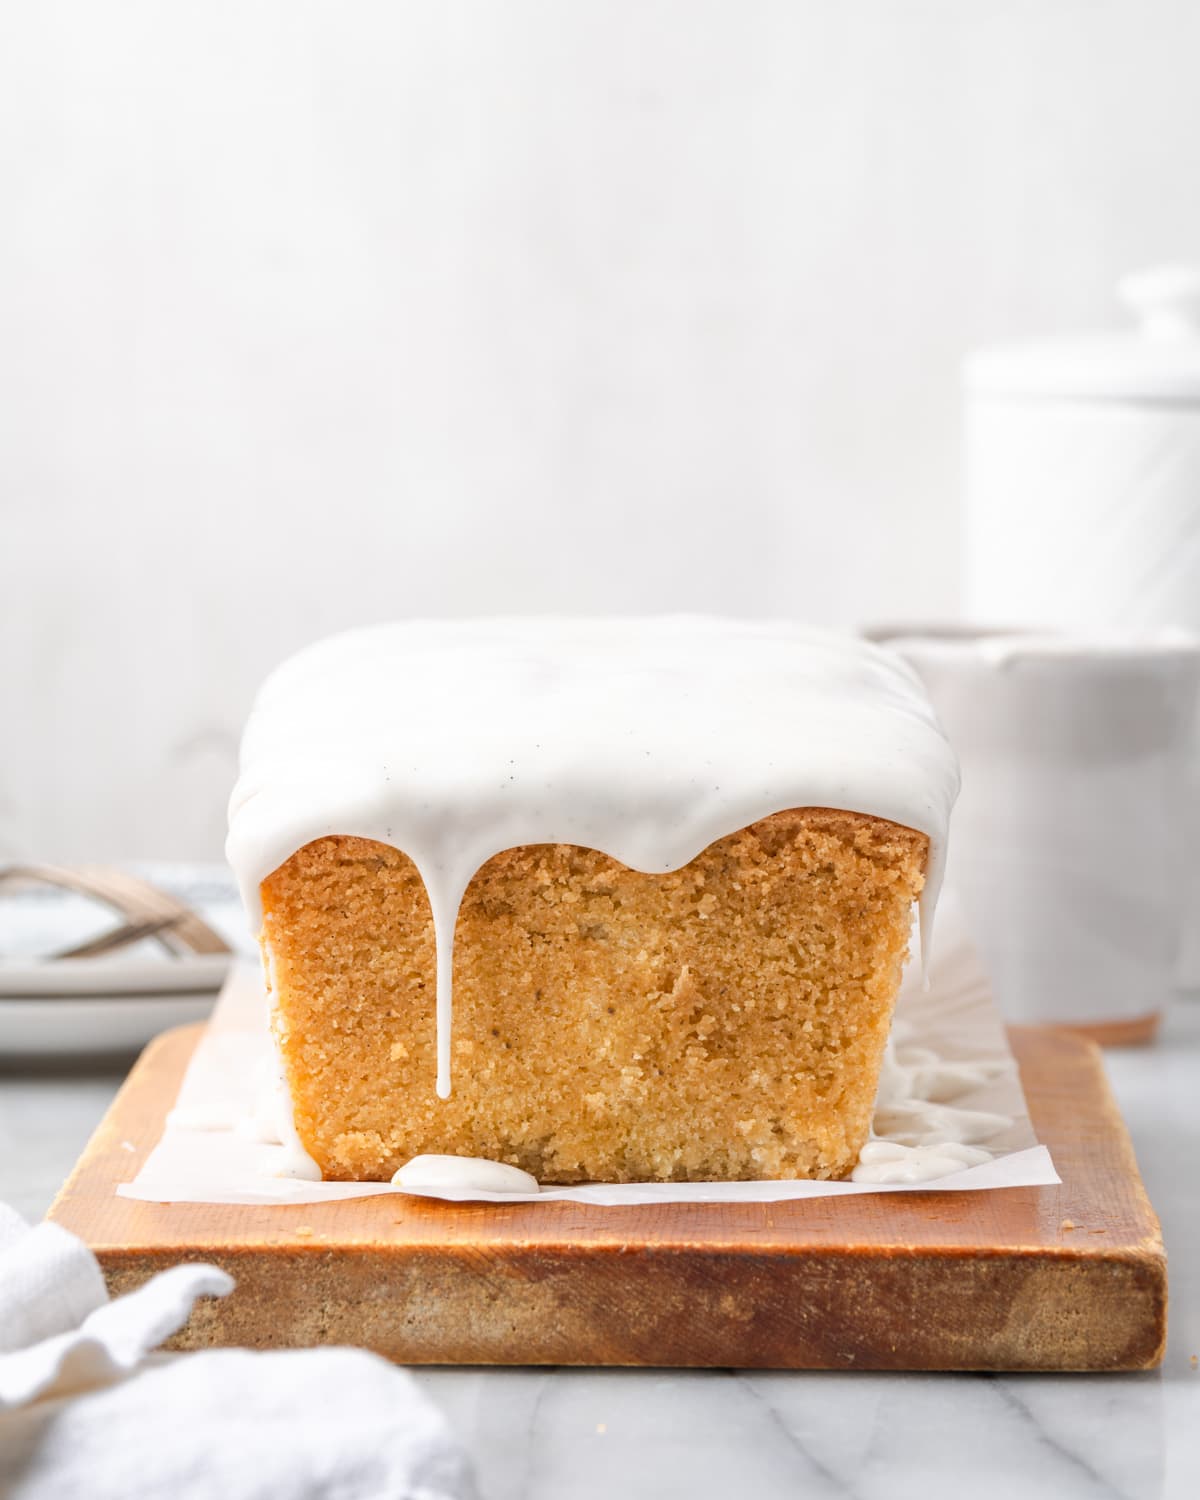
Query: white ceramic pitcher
x=1069, y=843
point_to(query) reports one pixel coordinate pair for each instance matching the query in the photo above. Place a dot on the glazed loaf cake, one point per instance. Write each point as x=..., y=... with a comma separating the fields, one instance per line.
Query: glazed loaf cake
x=607, y=901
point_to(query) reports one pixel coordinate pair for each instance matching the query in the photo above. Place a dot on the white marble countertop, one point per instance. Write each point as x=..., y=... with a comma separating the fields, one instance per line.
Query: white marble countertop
x=585, y=1434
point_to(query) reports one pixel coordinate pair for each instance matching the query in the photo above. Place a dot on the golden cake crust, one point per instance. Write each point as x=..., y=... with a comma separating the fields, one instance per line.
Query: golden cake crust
x=723, y=1021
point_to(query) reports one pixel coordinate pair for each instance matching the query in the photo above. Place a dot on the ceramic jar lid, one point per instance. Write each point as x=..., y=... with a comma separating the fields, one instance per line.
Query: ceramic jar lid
x=1157, y=360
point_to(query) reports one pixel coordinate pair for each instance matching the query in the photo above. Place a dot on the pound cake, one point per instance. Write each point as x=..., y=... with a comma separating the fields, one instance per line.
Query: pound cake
x=618, y=900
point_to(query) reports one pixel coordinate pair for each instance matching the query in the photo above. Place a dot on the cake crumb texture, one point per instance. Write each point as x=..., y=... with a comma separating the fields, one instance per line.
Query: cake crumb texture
x=723, y=1021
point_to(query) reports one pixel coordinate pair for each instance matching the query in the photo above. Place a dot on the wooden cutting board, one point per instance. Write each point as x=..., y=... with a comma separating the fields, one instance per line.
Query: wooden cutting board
x=1063, y=1278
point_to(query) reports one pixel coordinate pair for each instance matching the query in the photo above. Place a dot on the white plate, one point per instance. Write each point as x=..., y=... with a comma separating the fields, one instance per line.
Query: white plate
x=114, y=976
x=115, y=1003
x=103, y=1024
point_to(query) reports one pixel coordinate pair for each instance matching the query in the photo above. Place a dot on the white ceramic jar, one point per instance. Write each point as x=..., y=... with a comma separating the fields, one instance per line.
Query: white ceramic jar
x=1083, y=471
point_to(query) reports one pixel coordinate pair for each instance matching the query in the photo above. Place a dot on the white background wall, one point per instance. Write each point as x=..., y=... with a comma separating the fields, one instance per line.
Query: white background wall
x=315, y=314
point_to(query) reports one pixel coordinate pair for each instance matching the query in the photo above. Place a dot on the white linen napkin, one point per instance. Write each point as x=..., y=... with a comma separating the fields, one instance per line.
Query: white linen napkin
x=87, y=1407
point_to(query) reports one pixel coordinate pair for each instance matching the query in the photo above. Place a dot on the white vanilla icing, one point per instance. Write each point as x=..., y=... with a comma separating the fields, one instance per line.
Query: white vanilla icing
x=272, y=1119
x=920, y=1122
x=273, y=1123
x=463, y=1174
x=885, y=1161
x=918, y=1134
x=645, y=739
x=912, y=1072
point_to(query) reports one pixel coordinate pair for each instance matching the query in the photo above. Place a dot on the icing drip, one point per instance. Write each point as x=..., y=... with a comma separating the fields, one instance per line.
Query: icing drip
x=274, y=1119
x=645, y=739
x=884, y=1161
x=274, y=1124
x=468, y=1174
x=918, y=1133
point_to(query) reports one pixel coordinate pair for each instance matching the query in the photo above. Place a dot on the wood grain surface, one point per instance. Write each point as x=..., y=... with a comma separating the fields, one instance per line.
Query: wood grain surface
x=1062, y=1278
